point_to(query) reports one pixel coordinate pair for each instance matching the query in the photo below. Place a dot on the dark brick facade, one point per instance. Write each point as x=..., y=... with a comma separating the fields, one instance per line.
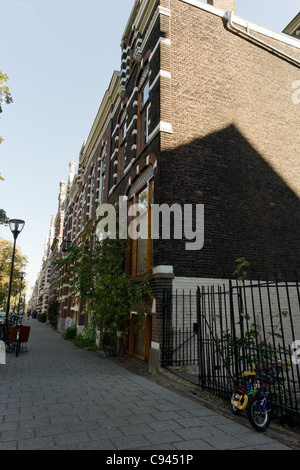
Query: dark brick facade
x=223, y=130
x=234, y=147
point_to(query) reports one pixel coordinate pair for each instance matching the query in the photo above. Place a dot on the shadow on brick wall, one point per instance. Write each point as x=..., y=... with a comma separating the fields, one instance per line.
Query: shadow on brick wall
x=249, y=209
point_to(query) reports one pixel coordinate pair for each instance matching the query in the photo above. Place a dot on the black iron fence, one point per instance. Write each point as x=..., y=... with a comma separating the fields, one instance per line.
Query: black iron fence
x=214, y=334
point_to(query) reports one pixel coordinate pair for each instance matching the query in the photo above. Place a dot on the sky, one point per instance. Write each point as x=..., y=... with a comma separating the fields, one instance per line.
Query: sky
x=60, y=56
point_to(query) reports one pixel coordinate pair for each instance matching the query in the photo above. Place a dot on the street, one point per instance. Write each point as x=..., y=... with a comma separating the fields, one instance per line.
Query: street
x=58, y=397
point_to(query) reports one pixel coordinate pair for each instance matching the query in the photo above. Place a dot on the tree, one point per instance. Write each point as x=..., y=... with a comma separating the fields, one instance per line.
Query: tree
x=6, y=250
x=3, y=217
x=96, y=270
x=5, y=96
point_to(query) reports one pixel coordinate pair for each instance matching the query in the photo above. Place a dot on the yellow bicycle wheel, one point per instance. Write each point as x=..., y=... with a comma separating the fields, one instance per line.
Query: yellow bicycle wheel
x=239, y=402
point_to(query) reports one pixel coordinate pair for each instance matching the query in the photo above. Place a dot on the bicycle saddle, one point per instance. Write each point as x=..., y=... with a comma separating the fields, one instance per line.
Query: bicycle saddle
x=247, y=373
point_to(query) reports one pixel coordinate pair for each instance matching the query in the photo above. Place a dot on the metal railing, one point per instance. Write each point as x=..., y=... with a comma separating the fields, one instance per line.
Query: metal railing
x=214, y=334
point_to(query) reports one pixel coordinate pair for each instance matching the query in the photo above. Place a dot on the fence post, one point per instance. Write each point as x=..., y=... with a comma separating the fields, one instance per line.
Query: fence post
x=200, y=339
x=235, y=348
x=164, y=331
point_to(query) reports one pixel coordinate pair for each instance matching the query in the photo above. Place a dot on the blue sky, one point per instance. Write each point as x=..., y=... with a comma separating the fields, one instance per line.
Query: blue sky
x=60, y=56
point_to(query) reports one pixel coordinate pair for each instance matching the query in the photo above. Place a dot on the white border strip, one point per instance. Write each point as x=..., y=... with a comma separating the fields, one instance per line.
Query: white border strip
x=244, y=23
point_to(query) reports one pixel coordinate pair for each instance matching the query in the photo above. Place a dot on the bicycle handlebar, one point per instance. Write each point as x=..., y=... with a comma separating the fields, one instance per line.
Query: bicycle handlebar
x=272, y=365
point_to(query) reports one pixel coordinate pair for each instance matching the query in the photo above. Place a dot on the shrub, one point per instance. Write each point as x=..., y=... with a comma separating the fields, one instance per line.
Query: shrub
x=43, y=317
x=53, y=313
x=82, y=341
x=70, y=333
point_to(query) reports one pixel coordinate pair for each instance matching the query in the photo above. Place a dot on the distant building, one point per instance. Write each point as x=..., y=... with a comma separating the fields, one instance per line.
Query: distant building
x=47, y=283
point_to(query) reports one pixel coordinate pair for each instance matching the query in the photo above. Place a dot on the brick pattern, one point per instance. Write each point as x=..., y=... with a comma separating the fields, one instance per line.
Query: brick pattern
x=233, y=147
x=226, y=5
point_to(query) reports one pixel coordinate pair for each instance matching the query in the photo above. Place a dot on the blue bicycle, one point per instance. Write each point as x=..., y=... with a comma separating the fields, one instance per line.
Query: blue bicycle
x=255, y=400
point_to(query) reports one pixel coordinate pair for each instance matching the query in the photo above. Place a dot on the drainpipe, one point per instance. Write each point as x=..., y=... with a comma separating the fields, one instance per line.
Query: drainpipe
x=230, y=17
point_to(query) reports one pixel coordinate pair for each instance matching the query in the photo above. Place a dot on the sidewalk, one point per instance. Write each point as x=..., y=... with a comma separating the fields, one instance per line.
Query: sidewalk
x=56, y=396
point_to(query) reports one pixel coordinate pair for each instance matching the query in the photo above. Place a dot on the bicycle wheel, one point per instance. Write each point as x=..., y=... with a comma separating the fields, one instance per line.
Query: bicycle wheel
x=18, y=347
x=258, y=417
x=235, y=410
x=239, y=402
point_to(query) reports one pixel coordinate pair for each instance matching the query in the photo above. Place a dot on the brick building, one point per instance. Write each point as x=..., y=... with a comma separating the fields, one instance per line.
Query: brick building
x=46, y=286
x=201, y=113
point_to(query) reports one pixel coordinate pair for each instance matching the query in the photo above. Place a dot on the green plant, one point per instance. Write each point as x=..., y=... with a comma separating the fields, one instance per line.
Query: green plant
x=240, y=272
x=43, y=317
x=70, y=333
x=96, y=269
x=81, y=341
x=53, y=313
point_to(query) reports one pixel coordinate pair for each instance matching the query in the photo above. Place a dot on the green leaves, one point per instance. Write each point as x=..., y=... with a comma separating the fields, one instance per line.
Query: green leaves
x=6, y=249
x=3, y=218
x=5, y=97
x=97, y=271
x=240, y=272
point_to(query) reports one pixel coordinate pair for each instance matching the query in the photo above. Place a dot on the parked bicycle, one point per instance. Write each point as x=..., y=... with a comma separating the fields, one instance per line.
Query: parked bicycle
x=254, y=398
x=14, y=334
x=4, y=334
x=17, y=343
x=240, y=396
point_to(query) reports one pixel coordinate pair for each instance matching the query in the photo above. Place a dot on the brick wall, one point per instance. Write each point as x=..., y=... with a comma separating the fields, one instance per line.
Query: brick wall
x=234, y=147
x=129, y=102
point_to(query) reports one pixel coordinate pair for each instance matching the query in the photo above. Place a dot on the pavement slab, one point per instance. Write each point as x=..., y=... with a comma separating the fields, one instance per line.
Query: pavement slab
x=58, y=397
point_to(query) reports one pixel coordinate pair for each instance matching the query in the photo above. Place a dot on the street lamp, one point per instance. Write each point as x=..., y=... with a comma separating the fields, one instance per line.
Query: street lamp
x=16, y=226
x=22, y=276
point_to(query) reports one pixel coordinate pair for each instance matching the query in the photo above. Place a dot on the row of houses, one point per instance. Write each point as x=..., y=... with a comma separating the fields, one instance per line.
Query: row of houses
x=202, y=114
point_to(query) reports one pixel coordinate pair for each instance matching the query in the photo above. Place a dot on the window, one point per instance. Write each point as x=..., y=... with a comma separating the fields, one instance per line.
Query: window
x=101, y=173
x=132, y=53
x=91, y=193
x=122, y=145
x=143, y=115
x=141, y=249
x=82, y=210
x=140, y=258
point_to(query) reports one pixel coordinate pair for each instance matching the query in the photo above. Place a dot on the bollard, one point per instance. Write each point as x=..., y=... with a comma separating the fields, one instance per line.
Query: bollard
x=2, y=353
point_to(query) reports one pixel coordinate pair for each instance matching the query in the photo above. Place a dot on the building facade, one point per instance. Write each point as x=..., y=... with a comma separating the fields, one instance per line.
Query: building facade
x=201, y=114
x=46, y=286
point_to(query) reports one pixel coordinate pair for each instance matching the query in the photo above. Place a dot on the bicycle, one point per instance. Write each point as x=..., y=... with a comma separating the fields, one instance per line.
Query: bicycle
x=5, y=336
x=18, y=337
x=240, y=397
x=15, y=335
x=256, y=400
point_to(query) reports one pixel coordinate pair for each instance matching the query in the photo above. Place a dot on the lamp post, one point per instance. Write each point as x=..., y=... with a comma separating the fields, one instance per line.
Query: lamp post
x=16, y=226
x=22, y=276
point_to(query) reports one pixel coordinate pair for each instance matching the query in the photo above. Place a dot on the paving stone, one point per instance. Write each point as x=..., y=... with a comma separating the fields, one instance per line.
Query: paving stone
x=71, y=438
x=59, y=397
x=163, y=437
x=129, y=442
x=40, y=443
